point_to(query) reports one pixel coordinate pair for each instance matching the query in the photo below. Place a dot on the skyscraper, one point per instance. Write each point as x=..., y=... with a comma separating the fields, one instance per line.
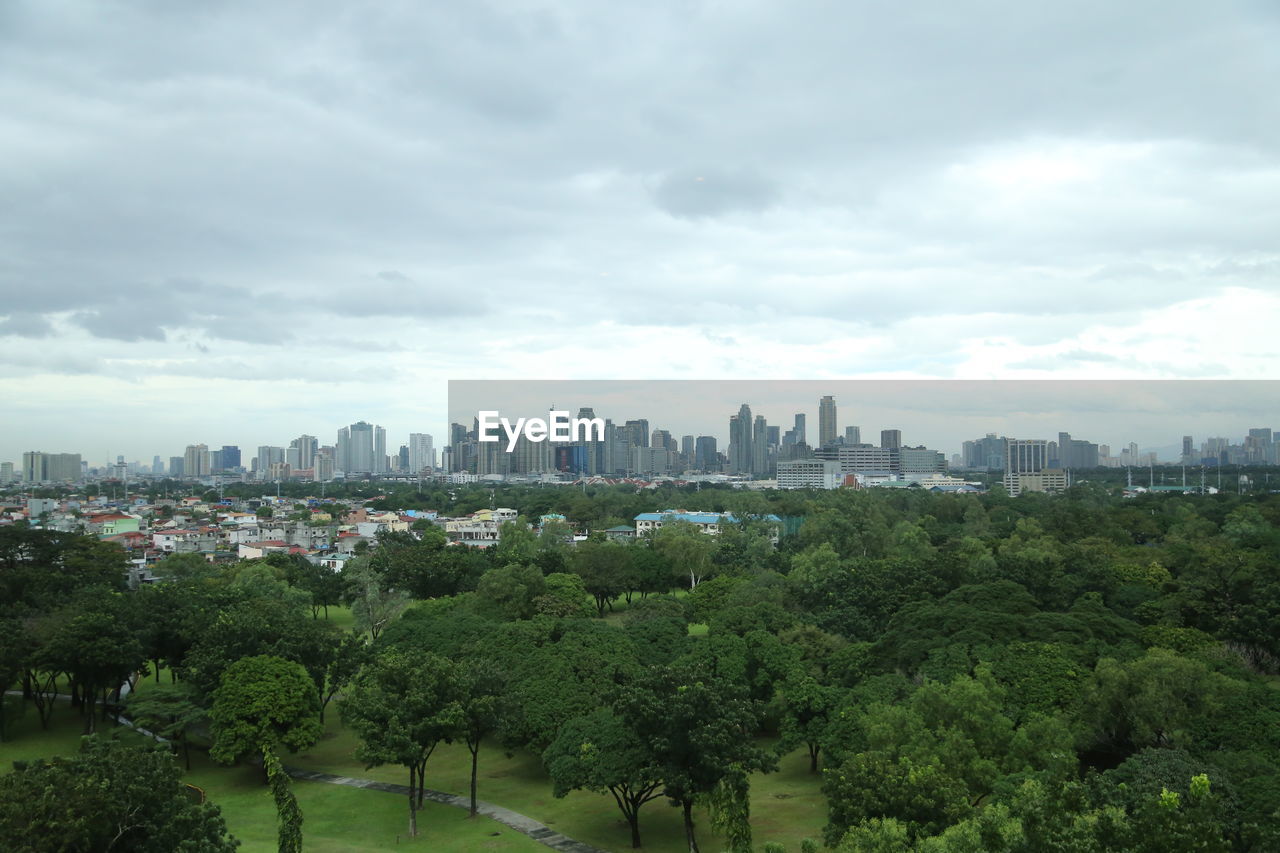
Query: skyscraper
x=705, y=455
x=826, y=421
x=740, y=441
x=422, y=455
x=890, y=438
x=230, y=457
x=852, y=435
x=302, y=452
x=362, y=449
x=195, y=462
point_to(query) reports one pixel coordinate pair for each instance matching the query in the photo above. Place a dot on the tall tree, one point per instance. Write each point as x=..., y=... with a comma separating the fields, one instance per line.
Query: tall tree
x=107, y=797
x=599, y=752
x=698, y=730
x=263, y=703
x=401, y=707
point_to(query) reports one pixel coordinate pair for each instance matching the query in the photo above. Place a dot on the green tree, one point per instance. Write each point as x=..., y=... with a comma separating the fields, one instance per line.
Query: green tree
x=687, y=548
x=698, y=730
x=374, y=603
x=598, y=752
x=263, y=703
x=288, y=813
x=510, y=592
x=170, y=711
x=108, y=796
x=401, y=707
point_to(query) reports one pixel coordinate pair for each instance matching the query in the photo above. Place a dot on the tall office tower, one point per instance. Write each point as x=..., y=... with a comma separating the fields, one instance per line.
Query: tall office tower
x=362, y=449
x=687, y=449
x=852, y=435
x=7, y=473
x=775, y=437
x=422, y=454
x=1188, y=449
x=268, y=455
x=41, y=467
x=1026, y=467
x=826, y=421
x=891, y=438
x=322, y=464
x=157, y=465
x=230, y=457
x=663, y=440
x=177, y=467
x=1258, y=446
x=798, y=431
x=740, y=441
x=457, y=436
x=302, y=452
x=637, y=433
x=705, y=457
x=760, y=447
x=1074, y=452
x=195, y=462
x=215, y=461
x=400, y=462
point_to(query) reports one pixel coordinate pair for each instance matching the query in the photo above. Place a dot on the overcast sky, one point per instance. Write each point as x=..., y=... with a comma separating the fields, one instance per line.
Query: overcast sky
x=236, y=222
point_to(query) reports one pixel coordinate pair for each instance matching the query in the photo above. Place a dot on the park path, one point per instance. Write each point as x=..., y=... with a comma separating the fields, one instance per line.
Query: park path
x=520, y=823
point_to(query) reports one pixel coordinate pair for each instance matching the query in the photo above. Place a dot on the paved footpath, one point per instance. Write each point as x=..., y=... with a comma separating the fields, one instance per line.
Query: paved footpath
x=518, y=822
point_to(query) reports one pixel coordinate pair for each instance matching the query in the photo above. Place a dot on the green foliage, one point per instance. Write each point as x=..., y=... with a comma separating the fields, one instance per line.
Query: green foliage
x=262, y=703
x=510, y=592
x=287, y=810
x=108, y=796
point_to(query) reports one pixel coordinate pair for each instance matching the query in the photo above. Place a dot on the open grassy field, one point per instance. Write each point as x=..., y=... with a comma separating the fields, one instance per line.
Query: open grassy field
x=337, y=818
x=786, y=806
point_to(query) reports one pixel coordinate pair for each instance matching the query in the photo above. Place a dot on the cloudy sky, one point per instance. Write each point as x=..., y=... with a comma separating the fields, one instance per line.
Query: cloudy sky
x=236, y=222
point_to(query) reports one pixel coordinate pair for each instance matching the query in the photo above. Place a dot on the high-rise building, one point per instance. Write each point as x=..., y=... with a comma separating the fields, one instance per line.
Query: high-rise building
x=1188, y=450
x=705, y=456
x=853, y=435
x=740, y=441
x=422, y=455
x=826, y=421
x=322, y=464
x=1026, y=467
x=687, y=449
x=268, y=455
x=157, y=465
x=301, y=454
x=177, y=468
x=637, y=432
x=41, y=467
x=890, y=438
x=362, y=449
x=195, y=461
x=798, y=430
x=7, y=473
x=984, y=453
x=230, y=457
x=663, y=440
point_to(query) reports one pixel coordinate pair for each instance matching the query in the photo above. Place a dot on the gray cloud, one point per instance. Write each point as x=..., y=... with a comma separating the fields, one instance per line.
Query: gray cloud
x=416, y=186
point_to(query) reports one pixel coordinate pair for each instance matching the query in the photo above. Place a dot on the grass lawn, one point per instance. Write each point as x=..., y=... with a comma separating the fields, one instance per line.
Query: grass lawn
x=336, y=818
x=785, y=806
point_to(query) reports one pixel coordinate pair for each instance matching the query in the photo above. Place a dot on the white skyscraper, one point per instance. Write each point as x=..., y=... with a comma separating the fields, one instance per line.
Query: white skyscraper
x=422, y=454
